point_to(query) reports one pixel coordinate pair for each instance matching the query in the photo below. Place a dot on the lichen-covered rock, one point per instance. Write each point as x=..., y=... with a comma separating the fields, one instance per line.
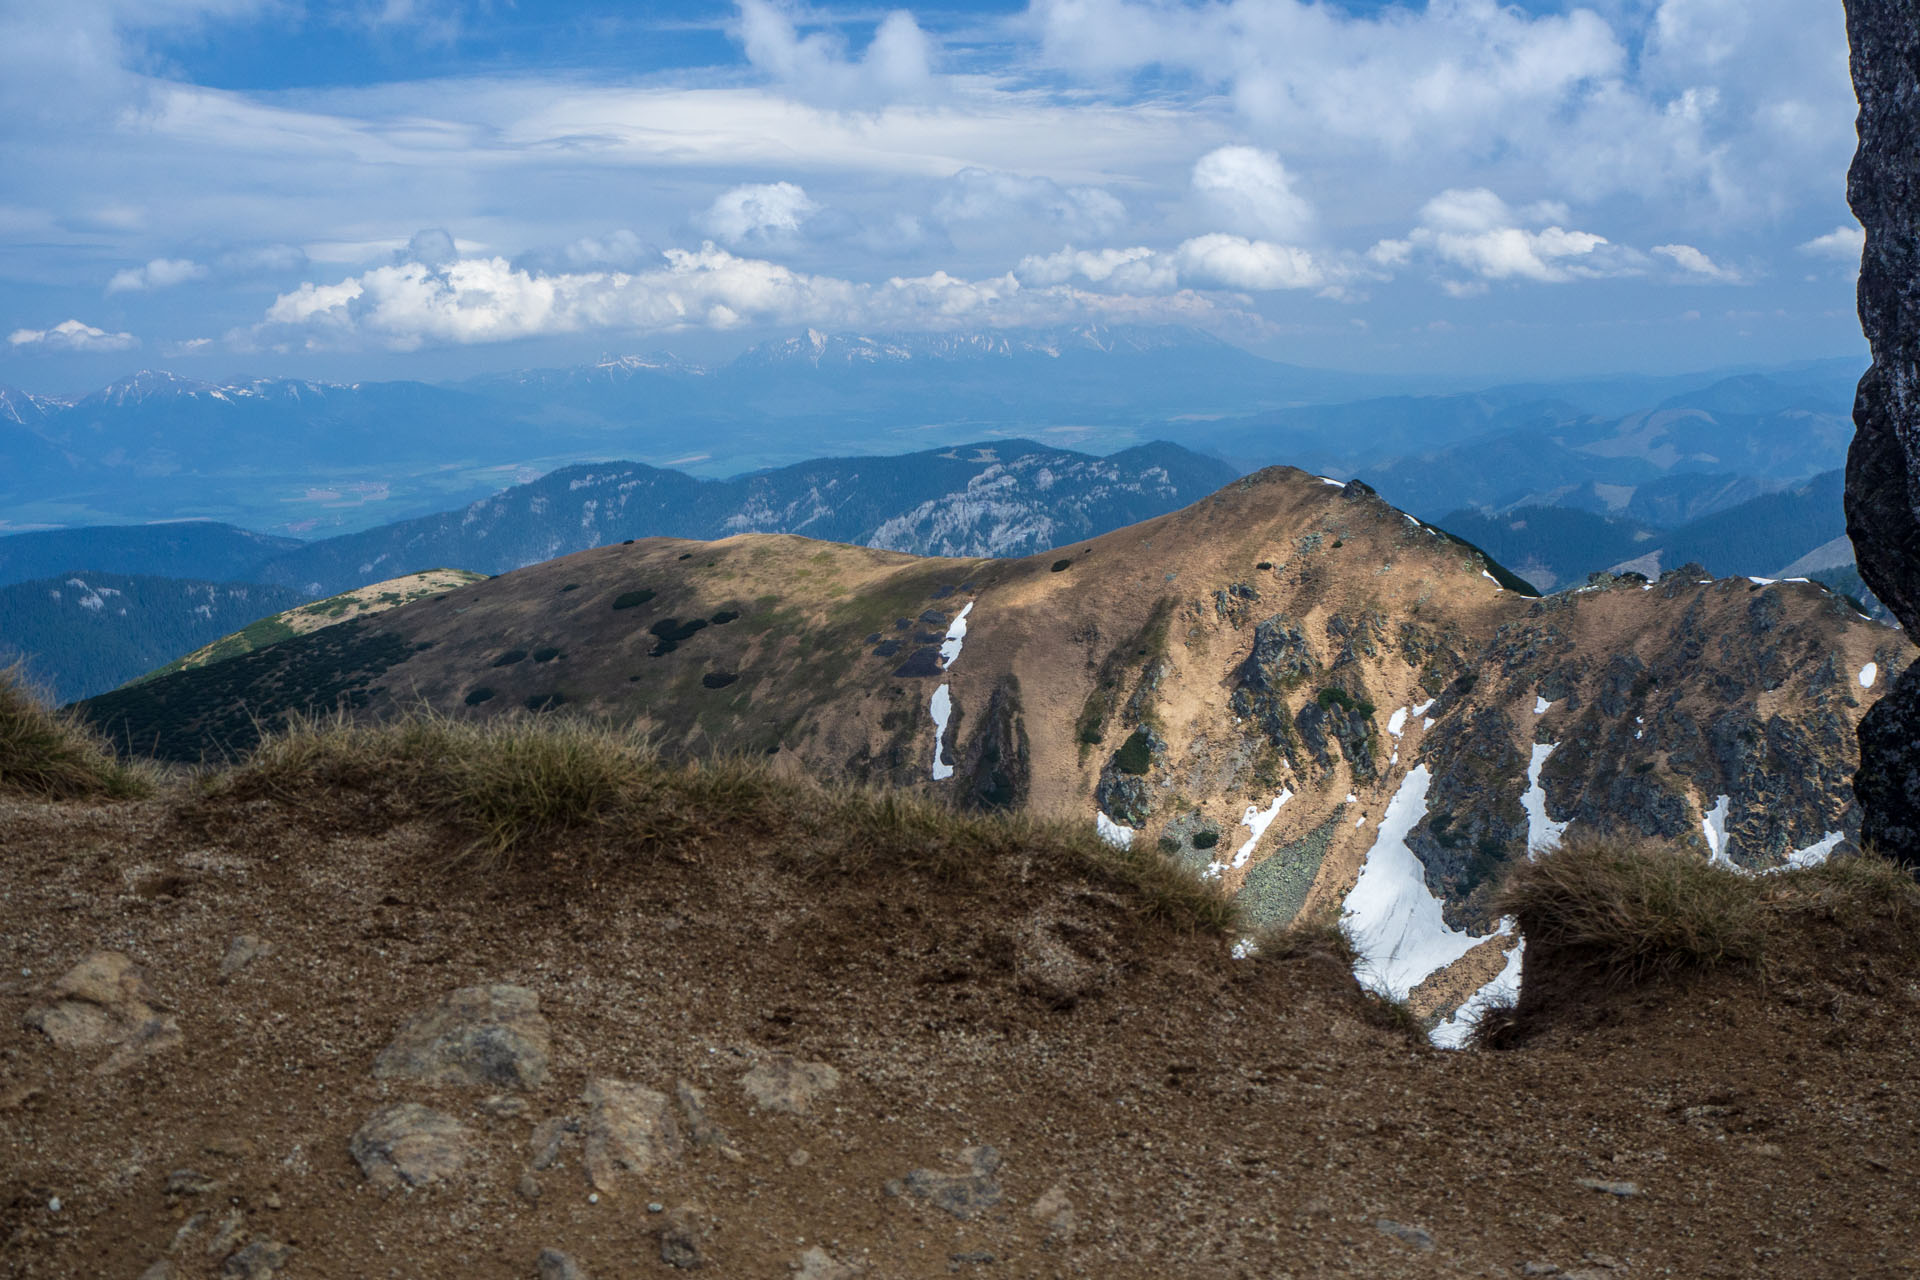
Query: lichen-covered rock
x=780, y=1083
x=1883, y=466
x=493, y=1037
x=104, y=1002
x=965, y=1195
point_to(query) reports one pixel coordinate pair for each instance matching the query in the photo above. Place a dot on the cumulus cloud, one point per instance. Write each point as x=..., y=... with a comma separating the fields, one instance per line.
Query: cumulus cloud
x=1475, y=231
x=1697, y=264
x=1842, y=244
x=897, y=63
x=1254, y=191
x=758, y=213
x=71, y=336
x=975, y=195
x=161, y=273
x=475, y=300
x=1215, y=260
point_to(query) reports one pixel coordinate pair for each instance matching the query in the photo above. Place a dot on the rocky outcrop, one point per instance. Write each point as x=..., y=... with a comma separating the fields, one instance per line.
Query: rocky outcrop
x=1883, y=466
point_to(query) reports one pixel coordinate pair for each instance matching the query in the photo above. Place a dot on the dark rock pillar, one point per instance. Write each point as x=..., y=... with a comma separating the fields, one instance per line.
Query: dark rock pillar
x=1883, y=466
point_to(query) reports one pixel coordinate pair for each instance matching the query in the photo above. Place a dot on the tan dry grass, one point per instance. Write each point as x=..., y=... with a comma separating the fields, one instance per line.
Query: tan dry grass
x=511, y=786
x=1637, y=910
x=51, y=754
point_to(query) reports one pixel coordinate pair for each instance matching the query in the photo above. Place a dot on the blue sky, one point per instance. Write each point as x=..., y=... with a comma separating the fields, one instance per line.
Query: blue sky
x=381, y=188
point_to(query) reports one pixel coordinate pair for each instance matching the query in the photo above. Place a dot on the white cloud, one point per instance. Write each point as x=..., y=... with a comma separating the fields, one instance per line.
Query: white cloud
x=475, y=300
x=898, y=62
x=161, y=273
x=71, y=335
x=758, y=213
x=1215, y=260
x=1843, y=244
x=1238, y=263
x=1253, y=189
x=975, y=195
x=1695, y=263
x=1475, y=231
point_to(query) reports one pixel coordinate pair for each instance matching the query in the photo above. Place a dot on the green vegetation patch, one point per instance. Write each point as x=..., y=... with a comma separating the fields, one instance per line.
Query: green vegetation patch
x=670, y=633
x=1061, y=566
x=477, y=696
x=546, y=655
x=510, y=657
x=633, y=599
x=1335, y=696
x=1135, y=754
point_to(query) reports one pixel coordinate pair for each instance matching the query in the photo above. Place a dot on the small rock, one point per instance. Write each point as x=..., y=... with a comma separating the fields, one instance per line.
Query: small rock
x=683, y=1239
x=1625, y=1190
x=1054, y=1211
x=630, y=1128
x=964, y=1195
x=817, y=1264
x=104, y=1002
x=227, y=1234
x=241, y=952
x=555, y=1265
x=779, y=1083
x=161, y=1270
x=973, y=1258
x=15, y=1096
x=504, y=1106
x=189, y=1182
x=260, y=1260
x=186, y=1231
x=406, y=1144
x=483, y=1036
x=798, y=1157
x=1538, y=1269
x=528, y=1187
x=1418, y=1237
x=700, y=1127
x=550, y=1135
x=234, y=1146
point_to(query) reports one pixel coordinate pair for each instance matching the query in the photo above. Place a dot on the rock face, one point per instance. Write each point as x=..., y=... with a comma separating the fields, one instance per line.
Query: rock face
x=409, y=1145
x=1883, y=466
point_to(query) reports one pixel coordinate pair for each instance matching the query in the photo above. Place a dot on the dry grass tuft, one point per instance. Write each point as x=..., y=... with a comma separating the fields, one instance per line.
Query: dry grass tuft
x=1636, y=910
x=51, y=754
x=511, y=787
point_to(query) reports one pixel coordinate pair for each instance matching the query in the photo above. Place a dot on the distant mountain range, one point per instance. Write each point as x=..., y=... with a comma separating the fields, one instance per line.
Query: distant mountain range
x=994, y=499
x=311, y=458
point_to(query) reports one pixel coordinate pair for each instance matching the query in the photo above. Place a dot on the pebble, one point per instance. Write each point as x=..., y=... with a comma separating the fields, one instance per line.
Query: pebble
x=1625, y=1190
x=1418, y=1237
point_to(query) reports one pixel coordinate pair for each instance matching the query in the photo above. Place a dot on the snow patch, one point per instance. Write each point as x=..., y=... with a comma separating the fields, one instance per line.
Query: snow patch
x=956, y=636
x=1814, y=854
x=1394, y=918
x=1760, y=582
x=1490, y=578
x=1542, y=832
x=1868, y=674
x=1504, y=988
x=1112, y=832
x=1715, y=825
x=1540, y=705
x=1256, y=820
x=942, y=708
x=1245, y=949
x=1397, y=722
x=1425, y=707
x=1338, y=484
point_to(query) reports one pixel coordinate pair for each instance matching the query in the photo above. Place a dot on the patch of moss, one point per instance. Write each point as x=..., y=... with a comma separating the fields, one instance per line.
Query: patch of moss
x=510, y=657
x=633, y=599
x=545, y=701
x=1061, y=566
x=478, y=696
x=1135, y=754
x=1206, y=839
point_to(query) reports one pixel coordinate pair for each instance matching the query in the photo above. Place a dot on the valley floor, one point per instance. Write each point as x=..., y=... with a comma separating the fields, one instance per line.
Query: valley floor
x=1154, y=1106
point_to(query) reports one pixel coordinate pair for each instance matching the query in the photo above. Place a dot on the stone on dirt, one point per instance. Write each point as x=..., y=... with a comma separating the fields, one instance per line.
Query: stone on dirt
x=1625, y=1190
x=406, y=1144
x=964, y=1195
x=261, y=1260
x=1055, y=1212
x=1418, y=1237
x=683, y=1238
x=492, y=1037
x=779, y=1083
x=551, y=1136
x=555, y=1265
x=241, y=952
x=630, y=1129
x=104, y=1002
x=817, y=1264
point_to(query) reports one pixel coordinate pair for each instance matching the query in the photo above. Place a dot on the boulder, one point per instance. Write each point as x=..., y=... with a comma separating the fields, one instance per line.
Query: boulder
x=104, y=1002
x=406, y=1144
x=488, y=1037
x=780, y=1083
x=965, y=1195
x=630, y=1129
